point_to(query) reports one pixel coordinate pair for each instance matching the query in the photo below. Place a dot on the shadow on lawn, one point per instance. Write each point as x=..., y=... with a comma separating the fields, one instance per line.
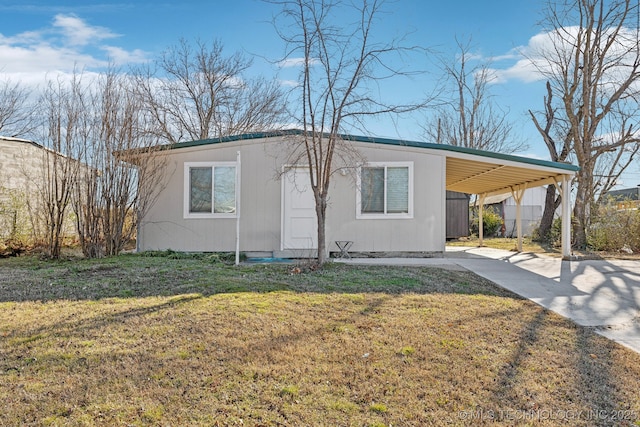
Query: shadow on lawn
x=135, y=276
x=74, y=325
x=594, y=384
x=187, y=280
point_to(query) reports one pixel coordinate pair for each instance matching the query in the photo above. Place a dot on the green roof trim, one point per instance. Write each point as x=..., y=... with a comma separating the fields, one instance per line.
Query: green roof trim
x=233, y=138
x=383, y=141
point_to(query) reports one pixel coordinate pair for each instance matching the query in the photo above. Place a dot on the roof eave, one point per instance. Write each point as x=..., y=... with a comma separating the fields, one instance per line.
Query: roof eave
x=452, y=150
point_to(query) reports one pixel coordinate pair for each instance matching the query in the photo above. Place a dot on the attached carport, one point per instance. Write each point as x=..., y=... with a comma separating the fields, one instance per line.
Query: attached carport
x=485, y=174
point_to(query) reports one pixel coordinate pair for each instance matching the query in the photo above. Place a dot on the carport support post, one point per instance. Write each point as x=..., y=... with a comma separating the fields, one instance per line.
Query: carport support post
x=517, y=196
x=566, y=217
x=481, y=198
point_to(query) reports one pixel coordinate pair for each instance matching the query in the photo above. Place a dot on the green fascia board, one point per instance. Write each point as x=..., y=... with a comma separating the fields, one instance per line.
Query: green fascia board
x=464, y=150
x=384, y=141
x=232, y=138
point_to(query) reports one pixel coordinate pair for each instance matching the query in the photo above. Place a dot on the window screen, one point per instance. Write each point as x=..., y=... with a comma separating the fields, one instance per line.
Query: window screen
x=224, y=190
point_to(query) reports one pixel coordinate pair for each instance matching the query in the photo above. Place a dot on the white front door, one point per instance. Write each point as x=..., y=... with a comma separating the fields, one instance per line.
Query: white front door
x=299, y=222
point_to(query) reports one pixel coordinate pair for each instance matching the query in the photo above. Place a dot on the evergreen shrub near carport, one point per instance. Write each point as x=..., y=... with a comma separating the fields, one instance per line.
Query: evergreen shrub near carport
x=491, y=222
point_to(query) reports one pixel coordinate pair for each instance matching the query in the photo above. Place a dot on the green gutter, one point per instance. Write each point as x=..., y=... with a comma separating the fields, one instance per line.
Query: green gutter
x=464, y=150
x=383, y=141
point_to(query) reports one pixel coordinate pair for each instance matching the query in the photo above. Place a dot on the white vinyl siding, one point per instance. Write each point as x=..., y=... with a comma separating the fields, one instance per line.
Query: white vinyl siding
x=385, y=190
x=210, y=190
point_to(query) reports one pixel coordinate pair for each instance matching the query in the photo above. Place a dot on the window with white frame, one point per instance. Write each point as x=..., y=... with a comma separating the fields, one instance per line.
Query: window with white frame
x=385, y=190
x=210, y=190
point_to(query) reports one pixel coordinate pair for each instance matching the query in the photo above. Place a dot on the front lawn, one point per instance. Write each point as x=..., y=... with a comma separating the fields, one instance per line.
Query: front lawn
x=178, y=340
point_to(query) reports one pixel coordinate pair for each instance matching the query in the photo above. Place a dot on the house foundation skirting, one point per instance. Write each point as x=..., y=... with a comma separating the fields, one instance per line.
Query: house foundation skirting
x=435, y=254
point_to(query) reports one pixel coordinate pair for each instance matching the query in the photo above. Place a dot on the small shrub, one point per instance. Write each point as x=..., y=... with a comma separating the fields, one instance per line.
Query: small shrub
x=555, y=234
x=491, y=222
x=554, y=238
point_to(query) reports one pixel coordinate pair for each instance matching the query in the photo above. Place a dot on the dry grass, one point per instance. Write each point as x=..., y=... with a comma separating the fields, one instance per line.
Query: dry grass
x=159, y=341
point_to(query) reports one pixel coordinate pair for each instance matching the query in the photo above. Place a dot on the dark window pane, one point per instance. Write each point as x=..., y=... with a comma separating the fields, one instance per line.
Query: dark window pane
x=200, y=180
x=372, y=191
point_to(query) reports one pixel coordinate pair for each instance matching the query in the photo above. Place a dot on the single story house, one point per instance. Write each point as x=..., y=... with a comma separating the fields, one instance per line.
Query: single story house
x=244, y=193
x=505, y=205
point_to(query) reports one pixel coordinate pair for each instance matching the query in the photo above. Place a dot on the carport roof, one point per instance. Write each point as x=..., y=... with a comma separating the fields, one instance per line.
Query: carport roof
x=474, y=176
x=469, y=170
x=475, y=171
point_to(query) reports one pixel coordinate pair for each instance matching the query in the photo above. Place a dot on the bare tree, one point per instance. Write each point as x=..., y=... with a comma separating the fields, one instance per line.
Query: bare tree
x=197, y=92
x=63, y=105
x=16, y=118
x=469, y=117
x=94, y=128
x=341, y=63
x=592, y=63
x=111, y=194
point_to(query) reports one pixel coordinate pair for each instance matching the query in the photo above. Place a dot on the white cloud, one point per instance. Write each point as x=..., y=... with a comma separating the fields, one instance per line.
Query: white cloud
x=523, y=70
x=513, y=54
x=120, y=56
x=295, y=62
x=532, y=61
x=289, y=83
x=78, y=33
x=68, y=43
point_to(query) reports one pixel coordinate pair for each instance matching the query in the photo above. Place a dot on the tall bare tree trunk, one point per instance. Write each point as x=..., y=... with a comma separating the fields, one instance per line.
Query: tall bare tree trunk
x=321, y=213
x=582, y=207
x=551, y=202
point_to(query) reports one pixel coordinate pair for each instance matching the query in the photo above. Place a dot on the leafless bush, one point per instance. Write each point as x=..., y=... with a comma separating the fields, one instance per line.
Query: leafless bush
x=108, y=198
x=615, y=227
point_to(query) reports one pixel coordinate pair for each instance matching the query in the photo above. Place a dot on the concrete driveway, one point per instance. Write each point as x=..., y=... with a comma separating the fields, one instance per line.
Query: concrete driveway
x=601, y=294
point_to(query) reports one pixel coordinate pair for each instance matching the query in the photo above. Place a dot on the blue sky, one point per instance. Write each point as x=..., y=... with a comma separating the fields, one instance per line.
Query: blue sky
x=42, y=37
